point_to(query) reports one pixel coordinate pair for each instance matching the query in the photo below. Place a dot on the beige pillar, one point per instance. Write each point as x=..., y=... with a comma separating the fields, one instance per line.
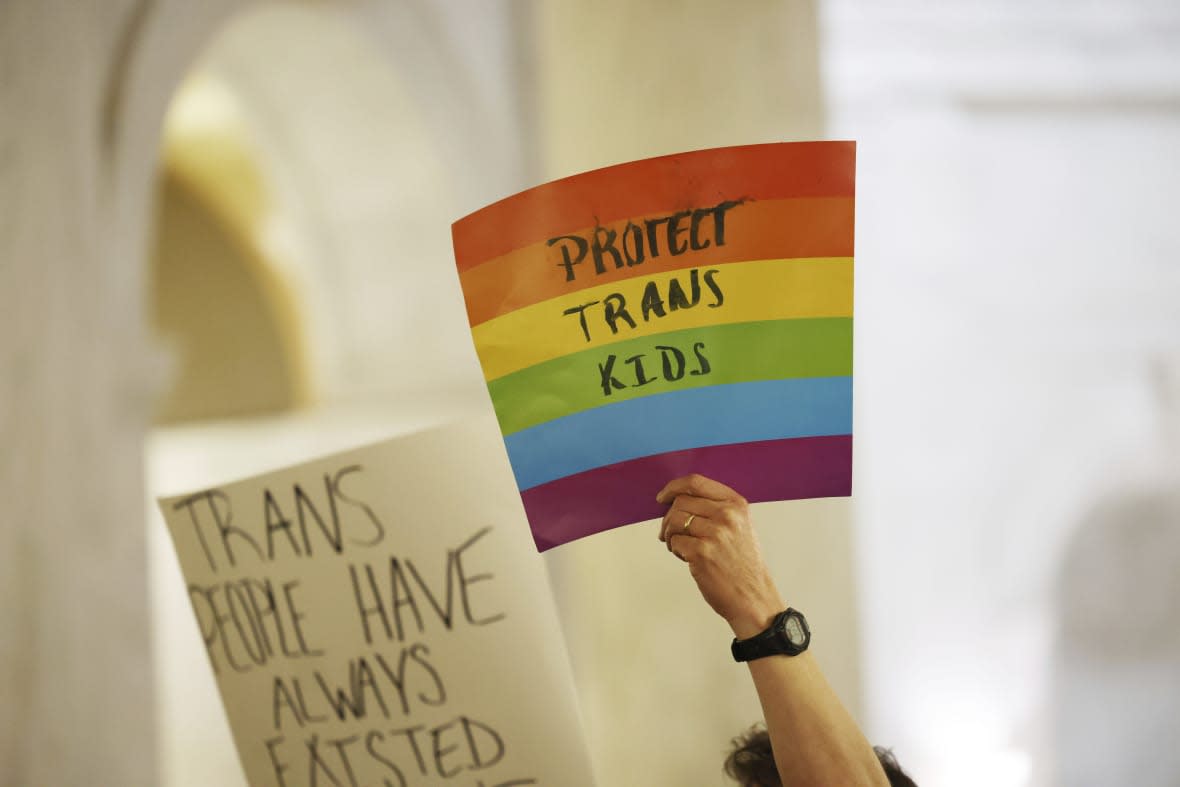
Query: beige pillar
x=80, y=95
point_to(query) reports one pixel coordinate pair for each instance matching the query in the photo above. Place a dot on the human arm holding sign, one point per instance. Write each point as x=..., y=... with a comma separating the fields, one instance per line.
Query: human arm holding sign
x=814, y=738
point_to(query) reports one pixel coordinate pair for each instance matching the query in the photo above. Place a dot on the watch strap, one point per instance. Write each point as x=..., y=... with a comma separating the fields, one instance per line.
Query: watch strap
x=772, y=641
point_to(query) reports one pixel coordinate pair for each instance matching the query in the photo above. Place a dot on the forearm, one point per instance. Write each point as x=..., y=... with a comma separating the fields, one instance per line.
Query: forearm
x=815, y=740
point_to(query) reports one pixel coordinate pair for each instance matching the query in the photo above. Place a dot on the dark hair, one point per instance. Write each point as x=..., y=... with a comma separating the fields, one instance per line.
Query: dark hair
x=897, y=777
x=751, y=763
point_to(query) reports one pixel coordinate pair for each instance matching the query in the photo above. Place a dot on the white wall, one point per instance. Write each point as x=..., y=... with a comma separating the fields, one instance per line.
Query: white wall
x=1016, y=284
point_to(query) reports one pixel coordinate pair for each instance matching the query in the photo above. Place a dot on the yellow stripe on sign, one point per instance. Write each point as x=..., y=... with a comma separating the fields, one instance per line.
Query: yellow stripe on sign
x=723, y=294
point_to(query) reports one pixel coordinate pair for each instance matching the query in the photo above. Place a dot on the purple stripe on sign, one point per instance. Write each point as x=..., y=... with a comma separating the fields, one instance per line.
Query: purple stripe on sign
x=607, y=497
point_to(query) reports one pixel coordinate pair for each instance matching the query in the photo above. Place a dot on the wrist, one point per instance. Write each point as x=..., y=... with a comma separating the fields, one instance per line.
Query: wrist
x=755, y=619
x=787, y=635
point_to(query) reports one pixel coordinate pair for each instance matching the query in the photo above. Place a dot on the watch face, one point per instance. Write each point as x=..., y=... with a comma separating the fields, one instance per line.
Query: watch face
x=793, y=628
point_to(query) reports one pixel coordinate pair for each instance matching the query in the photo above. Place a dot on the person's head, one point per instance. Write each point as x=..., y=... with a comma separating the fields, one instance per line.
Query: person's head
x=751, y=763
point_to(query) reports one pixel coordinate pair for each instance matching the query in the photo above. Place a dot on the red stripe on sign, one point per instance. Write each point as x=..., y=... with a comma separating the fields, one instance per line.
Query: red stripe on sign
x=642, y=188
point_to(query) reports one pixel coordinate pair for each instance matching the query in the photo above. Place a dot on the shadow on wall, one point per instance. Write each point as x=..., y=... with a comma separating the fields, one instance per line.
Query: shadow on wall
x=1116, y=663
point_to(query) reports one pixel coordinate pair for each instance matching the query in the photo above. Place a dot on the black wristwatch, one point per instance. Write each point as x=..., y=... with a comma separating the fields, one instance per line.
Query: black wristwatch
x=787, y=635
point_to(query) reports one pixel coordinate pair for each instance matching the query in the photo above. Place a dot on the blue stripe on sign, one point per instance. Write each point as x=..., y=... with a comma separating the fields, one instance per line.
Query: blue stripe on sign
x=692, y=418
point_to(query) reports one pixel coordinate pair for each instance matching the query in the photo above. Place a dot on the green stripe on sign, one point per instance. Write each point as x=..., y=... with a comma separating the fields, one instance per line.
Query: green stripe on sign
x=690, y=358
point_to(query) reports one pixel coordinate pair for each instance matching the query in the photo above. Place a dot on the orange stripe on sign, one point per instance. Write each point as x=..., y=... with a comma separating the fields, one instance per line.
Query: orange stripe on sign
x=664, y=184
x=777, y=229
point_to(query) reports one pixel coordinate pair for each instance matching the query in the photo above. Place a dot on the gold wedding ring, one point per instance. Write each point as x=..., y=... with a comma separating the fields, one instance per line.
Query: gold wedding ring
x=688, y=521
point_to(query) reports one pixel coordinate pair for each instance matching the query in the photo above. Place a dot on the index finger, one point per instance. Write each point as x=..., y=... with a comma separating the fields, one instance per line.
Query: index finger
x=698, y=486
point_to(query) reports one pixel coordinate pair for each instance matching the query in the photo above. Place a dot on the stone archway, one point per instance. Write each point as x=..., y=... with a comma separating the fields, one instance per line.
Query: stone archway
x=84, y=93
x=218, y=299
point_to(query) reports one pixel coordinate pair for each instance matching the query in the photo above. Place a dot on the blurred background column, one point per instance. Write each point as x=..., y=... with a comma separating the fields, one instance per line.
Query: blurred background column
x=75, y=661
x=83, y=91
x=619, y=81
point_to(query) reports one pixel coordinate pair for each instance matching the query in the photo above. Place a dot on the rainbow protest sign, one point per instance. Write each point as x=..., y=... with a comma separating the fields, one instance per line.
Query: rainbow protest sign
x=688, y=313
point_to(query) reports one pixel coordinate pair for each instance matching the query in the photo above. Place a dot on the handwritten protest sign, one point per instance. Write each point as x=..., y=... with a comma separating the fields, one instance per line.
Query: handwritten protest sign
x=689, y=313
x=378, y=618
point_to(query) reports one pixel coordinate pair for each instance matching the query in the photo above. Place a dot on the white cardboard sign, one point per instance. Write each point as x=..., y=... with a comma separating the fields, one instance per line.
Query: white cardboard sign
x=380, y=618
